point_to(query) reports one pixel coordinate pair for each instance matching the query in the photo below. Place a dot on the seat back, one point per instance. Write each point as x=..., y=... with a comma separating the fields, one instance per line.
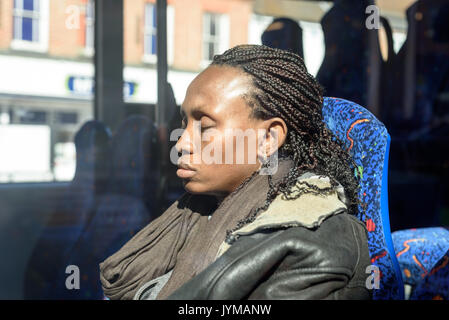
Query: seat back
x=368, y=142
x=121, y=211
x=420, y=71
x=435, y=285
x=350, y=56
x=422, y=254
x=285, y=34
x=67, y=222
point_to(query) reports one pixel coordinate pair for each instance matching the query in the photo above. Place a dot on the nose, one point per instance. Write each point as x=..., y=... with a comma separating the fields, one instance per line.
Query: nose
x=184, y=145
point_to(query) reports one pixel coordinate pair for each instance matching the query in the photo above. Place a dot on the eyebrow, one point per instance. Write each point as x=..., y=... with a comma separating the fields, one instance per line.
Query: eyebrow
x=197, y=109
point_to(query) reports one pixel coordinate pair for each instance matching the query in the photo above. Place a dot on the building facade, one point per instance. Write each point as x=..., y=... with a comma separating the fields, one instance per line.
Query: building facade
x=46, y=70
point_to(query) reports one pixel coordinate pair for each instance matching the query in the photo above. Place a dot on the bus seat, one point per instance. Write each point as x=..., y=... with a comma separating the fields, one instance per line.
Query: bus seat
x=121, y=211
x=368, y=142
x=285, y=34
x=423, y=256
x=66, y=223
x=346, y=64
x=435, y=284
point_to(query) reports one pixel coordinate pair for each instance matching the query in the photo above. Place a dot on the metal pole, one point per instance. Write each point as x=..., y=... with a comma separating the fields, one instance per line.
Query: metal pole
x=108, y=106
x=161, y=121
x=162, y=67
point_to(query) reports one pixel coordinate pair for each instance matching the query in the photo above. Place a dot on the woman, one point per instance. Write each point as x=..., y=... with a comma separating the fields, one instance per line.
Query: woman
x=280, y=227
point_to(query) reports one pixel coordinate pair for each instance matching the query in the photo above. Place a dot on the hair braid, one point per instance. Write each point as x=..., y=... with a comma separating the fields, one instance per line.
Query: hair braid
x=283, y=88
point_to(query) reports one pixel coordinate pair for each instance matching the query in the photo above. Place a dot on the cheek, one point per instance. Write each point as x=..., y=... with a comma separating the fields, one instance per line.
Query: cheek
x=241, y=148
x=211, y=178
x=225, y=163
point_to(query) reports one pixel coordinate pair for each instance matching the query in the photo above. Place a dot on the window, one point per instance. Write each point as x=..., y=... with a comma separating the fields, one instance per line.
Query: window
x=30, y=25
x=89, y=24
x=150, y=33
x=211, y=38
x=32, y=116
x=313, y=45
x=44, y=134
x=215, y=35
x=150, y=30
x=66, y=118
x=26, y=20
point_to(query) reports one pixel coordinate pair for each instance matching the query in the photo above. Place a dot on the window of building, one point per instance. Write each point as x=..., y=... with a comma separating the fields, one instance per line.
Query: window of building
x=150, y=30
x=40, y=112
x=45, y=135
x=215, y=35
x=89, y=27
x=30, y=25
x=150, y=33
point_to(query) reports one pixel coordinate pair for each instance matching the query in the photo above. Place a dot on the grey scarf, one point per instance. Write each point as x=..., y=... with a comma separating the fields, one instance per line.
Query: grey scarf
x=182, y=239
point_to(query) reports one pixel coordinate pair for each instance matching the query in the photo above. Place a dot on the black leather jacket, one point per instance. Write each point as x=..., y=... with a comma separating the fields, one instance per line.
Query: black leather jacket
x=327, y=261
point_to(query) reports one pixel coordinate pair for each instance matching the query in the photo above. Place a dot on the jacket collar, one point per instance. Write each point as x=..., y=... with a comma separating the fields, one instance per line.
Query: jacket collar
x=309, y=210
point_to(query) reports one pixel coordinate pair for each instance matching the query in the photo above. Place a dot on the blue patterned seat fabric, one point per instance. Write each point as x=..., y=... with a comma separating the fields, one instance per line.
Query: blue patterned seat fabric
x=423, y=256
x=435, y=284
x=368, y=142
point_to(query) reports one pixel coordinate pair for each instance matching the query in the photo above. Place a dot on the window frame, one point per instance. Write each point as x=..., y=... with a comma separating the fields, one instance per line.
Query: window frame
x=220, y=39
x=42, y=17
x=89, y=28
x=152, y=58
x=149, y=30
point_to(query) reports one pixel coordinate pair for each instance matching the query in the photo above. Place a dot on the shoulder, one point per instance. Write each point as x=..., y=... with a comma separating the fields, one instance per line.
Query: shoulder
x=292, y=263
x=339, y=241
x=308, y=211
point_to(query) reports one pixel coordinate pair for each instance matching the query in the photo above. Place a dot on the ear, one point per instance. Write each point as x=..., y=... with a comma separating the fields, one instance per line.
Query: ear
x=274, y=137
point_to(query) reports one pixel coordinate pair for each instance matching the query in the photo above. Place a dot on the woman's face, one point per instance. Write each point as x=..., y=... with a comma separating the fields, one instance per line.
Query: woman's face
x=214, y=160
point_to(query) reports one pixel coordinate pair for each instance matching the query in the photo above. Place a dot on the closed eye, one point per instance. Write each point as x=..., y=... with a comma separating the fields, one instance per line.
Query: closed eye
x=205, y=128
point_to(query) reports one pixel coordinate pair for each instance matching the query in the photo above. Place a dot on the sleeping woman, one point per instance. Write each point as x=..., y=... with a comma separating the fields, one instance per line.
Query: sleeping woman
x=267, y=214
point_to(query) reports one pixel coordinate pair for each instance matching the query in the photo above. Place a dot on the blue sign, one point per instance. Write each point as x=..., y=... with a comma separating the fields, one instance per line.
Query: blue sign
x=84, y=86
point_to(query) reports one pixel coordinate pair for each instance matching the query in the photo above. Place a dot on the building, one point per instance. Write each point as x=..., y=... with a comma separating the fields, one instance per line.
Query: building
x=46, y=69
x=46, y=65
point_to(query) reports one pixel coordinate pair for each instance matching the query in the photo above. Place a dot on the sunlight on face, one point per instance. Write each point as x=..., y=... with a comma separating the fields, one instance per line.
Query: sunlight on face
x=212, y=112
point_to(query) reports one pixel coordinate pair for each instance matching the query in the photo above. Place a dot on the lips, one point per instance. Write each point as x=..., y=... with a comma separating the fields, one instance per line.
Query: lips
x=185, y=171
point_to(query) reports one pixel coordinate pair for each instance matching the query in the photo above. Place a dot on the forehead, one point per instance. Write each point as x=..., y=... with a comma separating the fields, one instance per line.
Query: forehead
x=215, y=87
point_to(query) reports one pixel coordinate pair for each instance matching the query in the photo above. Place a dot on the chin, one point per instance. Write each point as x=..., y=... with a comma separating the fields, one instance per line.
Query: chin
x=194, y=187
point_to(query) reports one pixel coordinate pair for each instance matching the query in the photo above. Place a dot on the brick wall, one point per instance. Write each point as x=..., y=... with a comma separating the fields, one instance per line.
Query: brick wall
x=67, y=28
x=6, y=8
x=188, y=27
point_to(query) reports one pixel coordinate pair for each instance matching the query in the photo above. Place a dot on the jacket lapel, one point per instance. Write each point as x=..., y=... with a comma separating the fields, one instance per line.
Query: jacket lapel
x=309, y=210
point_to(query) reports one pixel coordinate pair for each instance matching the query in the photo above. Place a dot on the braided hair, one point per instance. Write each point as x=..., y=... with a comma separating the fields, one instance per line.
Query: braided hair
x=282, y=87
